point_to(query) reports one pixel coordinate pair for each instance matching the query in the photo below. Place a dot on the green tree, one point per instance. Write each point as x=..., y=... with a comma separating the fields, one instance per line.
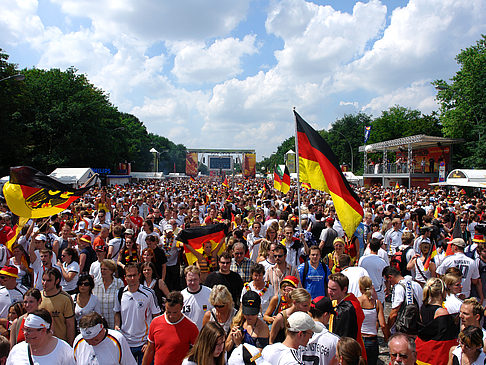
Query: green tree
x=463, y=105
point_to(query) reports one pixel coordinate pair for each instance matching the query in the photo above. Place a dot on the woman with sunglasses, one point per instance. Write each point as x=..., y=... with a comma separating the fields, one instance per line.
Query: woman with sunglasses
x=32, y=300
x=224, y=308
x=150, y=279
x=85, y=301
x=209, y=347
x=70, y=269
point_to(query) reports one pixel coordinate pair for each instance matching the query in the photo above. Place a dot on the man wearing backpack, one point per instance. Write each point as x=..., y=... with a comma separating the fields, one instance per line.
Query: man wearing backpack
x=314, y=274
x=406, y=293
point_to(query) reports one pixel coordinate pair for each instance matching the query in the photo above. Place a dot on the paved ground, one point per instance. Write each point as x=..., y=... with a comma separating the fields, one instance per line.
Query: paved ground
x=384, y=357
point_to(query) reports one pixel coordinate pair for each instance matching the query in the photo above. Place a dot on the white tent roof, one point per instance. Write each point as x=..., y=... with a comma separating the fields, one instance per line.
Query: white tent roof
x=466, y=178
x=72, y=175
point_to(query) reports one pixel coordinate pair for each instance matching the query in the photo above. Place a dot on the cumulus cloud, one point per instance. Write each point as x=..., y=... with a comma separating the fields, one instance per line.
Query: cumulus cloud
x=419, y=96
x=194, y=62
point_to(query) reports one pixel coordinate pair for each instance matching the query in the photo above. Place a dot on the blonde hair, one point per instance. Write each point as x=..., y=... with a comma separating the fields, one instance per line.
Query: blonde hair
x=300, y=295
x=366, y=286
x=434, y=288
x=192, y=269
x=220, y=294
x=451, y=279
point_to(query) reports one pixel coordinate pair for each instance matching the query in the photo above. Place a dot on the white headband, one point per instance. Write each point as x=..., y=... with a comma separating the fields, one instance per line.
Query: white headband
x=33, y=321
x=91, y=332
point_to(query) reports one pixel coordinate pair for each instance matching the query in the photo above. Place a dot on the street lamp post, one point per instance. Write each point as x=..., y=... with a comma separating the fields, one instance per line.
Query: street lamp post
x=156, y=160
x=17, y=77
x=350, y=149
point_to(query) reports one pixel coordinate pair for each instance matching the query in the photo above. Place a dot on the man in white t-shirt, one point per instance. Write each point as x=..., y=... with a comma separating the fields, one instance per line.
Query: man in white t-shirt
x=468, y=267
x=301, y=327
x=321, y=348
x=99, y=345
x=196, y=296
x=116, y=244
x=354, y=273
x=381, y=252
x=10, y=290
x=374, y=265
x=134, y=309
x=254, y=239
x=403, y=288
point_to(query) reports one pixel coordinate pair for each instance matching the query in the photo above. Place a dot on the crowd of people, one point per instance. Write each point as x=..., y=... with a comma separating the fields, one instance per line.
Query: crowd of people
x=107, y=282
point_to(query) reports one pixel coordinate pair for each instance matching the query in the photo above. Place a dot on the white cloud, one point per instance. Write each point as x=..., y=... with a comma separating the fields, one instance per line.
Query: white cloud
x=417, y=96
x=194, y=62
x=154, y=20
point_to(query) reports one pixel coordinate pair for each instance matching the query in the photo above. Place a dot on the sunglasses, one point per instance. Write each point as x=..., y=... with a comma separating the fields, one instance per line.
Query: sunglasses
x=219, y=305
x=402, y=356
x=278, y=256
x=84, y=284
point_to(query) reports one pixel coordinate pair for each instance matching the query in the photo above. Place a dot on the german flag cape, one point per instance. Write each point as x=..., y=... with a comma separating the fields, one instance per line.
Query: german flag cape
x=319, y=166
x=433, y=253
x=435, y=340
x=32, y=194
x=195, y=237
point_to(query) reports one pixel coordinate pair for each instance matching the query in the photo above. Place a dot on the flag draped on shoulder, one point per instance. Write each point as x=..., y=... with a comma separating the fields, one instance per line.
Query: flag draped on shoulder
x=281, y=180
x=31, y=194
x=432, y=254
x=197, y=236
x=318, y=165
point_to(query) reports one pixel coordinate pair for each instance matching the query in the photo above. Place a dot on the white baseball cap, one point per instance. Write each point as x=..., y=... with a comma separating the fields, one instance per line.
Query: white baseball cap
x=301, y=321
x=246, y=354
x=377, y=235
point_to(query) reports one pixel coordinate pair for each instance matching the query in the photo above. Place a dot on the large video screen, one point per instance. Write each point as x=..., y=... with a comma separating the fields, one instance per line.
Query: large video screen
x=219, y=163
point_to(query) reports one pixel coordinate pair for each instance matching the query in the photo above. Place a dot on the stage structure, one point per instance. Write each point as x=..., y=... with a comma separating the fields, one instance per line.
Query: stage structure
x=414, y=161
x=222, y=161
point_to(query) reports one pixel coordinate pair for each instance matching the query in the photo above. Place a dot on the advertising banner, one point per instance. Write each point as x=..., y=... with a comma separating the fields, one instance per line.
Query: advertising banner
x=249, y=165
x=191, y=163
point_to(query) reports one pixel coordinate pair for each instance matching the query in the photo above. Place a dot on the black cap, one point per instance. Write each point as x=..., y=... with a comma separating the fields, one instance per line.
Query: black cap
x=251, y=303
x=323, y=304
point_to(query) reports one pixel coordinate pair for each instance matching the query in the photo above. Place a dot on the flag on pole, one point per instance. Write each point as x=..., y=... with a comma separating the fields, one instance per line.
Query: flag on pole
x=397, y=186
x=265, y=186
x=281, y=180
x=367, y=133
x=433, y=253
x=197, y=236
x=318, y=165
x=31, y=194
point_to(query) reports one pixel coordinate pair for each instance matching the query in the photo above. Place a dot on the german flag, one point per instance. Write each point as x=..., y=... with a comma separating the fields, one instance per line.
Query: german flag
x=433, y=253
x=319, y=166
x=18, y=224
x=435, y=340
x=306, y=186
x=265, y=186
x=195, y=237
x=225, y=182
x=281, y=180
x=32, y=194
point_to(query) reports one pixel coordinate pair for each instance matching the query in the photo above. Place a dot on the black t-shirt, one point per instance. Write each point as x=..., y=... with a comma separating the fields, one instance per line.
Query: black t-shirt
x=232, y=281
x=160, y=259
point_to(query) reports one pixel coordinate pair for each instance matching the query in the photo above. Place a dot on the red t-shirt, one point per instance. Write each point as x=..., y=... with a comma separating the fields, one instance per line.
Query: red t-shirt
x=138, y=221
x=172, y=340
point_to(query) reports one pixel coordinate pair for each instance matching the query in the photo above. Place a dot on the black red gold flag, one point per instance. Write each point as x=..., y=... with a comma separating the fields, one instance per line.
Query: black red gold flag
x=225, y=182
x=281, y=180
x=32, y=194
x=435, y=340
x=265, y=186
x=318, y=165
x=197, y=236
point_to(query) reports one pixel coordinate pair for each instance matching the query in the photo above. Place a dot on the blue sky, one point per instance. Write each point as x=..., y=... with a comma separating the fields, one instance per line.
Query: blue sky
x=226, y=74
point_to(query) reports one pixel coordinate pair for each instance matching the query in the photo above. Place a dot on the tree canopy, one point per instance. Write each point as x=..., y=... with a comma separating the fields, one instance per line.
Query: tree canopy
x=58, y=118
x=463, y=105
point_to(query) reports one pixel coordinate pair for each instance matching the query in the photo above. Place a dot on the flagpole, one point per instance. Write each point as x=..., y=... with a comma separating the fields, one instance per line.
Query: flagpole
x=298, y=172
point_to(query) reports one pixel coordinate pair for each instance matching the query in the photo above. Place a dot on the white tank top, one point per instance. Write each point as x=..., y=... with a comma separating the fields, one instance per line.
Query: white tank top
x=369, y=323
